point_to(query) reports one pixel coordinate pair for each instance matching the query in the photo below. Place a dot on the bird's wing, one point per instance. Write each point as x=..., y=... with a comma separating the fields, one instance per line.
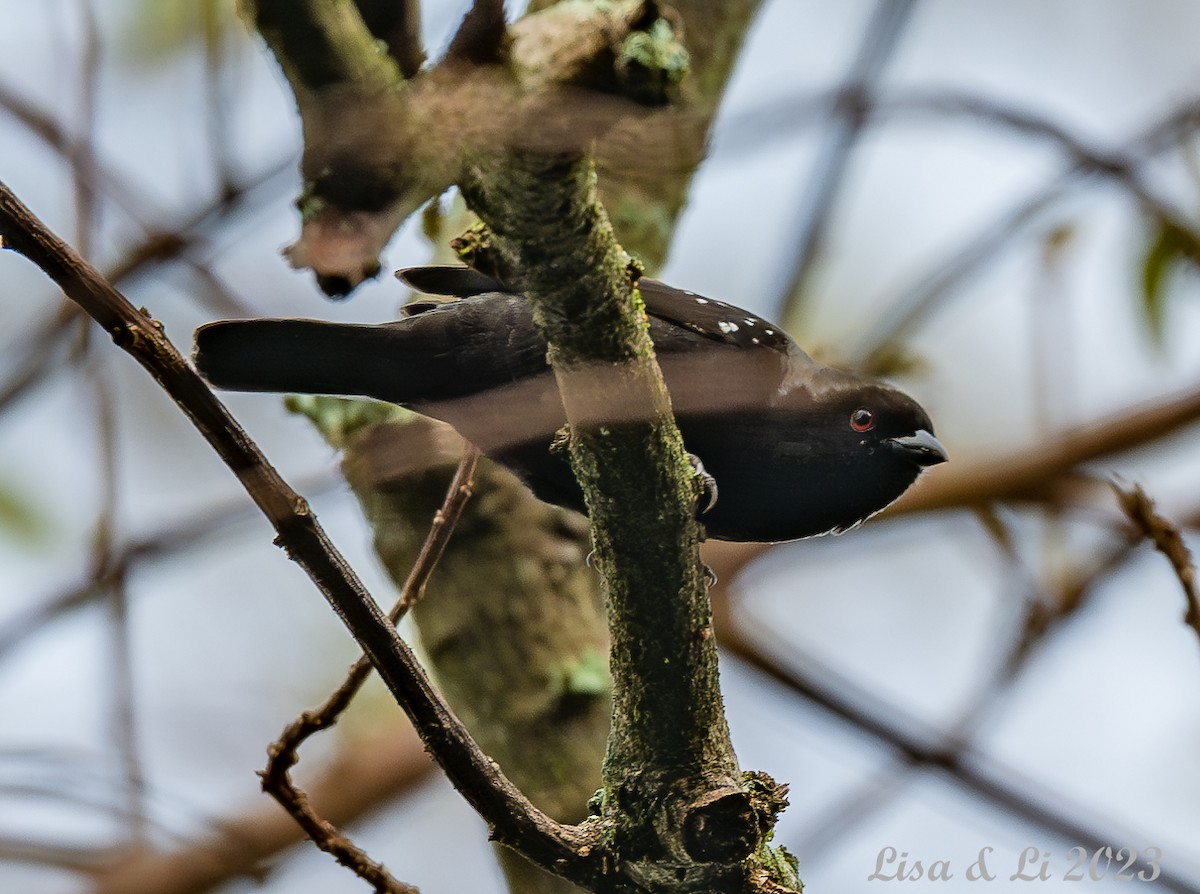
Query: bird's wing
x=714, y=356
x=461, y=282
x=692, y=314
x=717, y=357
x=714, y=320
x=685, y=314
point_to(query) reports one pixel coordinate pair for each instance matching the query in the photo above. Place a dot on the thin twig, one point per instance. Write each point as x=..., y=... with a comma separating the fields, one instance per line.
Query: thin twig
x=42, y=351
x=171, y=538
x=276, y=779
x=218, y=93
x=113, y=586
x=1120, y=165
x=919, y=301
x=1167, y=539
x=128, y=196
x=514, y=819
x=111, y=583
x=913, y=744
x=157, y=248
x=1029, y=473
x=759, y=127
x=850, y=114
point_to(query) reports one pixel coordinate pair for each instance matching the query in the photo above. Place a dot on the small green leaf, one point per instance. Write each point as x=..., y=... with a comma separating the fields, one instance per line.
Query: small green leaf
x=20, y=518
x=652, y=63
x=1171, y=248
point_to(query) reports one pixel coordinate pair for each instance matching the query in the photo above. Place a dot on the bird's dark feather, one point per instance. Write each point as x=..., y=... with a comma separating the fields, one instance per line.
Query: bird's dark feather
x=769, y=423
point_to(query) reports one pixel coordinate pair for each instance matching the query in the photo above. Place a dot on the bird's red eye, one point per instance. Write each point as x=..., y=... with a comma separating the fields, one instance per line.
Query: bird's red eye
x=862, y=420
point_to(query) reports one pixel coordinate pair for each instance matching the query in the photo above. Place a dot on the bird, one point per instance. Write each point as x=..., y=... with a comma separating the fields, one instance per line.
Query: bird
x=796, y=448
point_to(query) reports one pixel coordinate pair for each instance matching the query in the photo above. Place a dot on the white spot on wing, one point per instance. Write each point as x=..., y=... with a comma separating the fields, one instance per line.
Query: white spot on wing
x=728, y=327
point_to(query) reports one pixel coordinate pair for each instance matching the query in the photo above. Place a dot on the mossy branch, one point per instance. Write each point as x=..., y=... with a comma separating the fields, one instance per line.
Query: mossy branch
x=320, y=43
x=378, y=144
x=672, y=800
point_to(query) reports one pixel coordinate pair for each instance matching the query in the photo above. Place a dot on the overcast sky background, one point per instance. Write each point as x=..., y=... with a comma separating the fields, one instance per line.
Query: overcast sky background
x=1104, y=721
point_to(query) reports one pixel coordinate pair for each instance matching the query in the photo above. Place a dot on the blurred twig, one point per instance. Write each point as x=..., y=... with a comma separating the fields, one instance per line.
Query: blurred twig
x=43, y=351
x=1121, y=164
x=218, y=92
x=276, y=779
x=1001, y=785
x=920, y=300
x=112, y=584
x=122, y=710
x=513, y=818
x=1042, y=615
x=171, y=538
x=850, y=113
x=76, y=152
x=40, y=348
x=365, y=774
x=1034, y=473
x=1167, y=539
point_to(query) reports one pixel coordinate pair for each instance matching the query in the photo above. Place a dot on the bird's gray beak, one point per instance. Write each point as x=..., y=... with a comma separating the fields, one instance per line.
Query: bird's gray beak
x=921, y=448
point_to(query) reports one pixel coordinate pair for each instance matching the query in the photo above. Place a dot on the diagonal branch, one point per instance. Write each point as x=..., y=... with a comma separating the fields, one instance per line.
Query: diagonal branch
x=926, y=296
x=276, y=779
x=513, y=818
x=1027, y=474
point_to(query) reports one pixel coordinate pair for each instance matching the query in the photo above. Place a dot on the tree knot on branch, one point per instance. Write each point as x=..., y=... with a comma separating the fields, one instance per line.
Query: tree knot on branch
x=721, y=826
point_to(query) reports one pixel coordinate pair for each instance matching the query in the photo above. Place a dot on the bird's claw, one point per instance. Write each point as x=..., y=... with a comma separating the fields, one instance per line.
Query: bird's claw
x=707, y=481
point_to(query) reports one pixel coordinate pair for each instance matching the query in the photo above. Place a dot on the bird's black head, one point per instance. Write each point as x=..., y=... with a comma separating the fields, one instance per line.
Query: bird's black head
x=871, y=419
x=836, y=451
x=866, y=443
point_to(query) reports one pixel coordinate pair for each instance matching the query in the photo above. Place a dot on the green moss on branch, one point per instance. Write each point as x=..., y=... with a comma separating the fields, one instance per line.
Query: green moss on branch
x=669, y=743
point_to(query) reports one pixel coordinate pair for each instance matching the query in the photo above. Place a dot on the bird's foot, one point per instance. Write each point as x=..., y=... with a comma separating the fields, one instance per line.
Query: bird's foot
x=707, y=481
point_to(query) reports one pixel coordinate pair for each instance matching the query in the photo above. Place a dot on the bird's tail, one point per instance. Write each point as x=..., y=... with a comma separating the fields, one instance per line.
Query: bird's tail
x=309, y=357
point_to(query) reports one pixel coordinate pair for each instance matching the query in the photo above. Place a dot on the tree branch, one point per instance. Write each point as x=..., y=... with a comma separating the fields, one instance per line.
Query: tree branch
x=851, y=114
x=927, y=295
x=1167, y=539
x=276, y=778
x=513, y=818
x=377, y=147
x=398, y=24
x=364, y=775
x=1028, y=473
x=671, y=793
x=514, y=631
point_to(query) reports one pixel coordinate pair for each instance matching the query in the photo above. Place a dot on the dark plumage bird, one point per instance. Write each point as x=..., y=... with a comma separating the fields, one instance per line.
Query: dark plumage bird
x=797, y=448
